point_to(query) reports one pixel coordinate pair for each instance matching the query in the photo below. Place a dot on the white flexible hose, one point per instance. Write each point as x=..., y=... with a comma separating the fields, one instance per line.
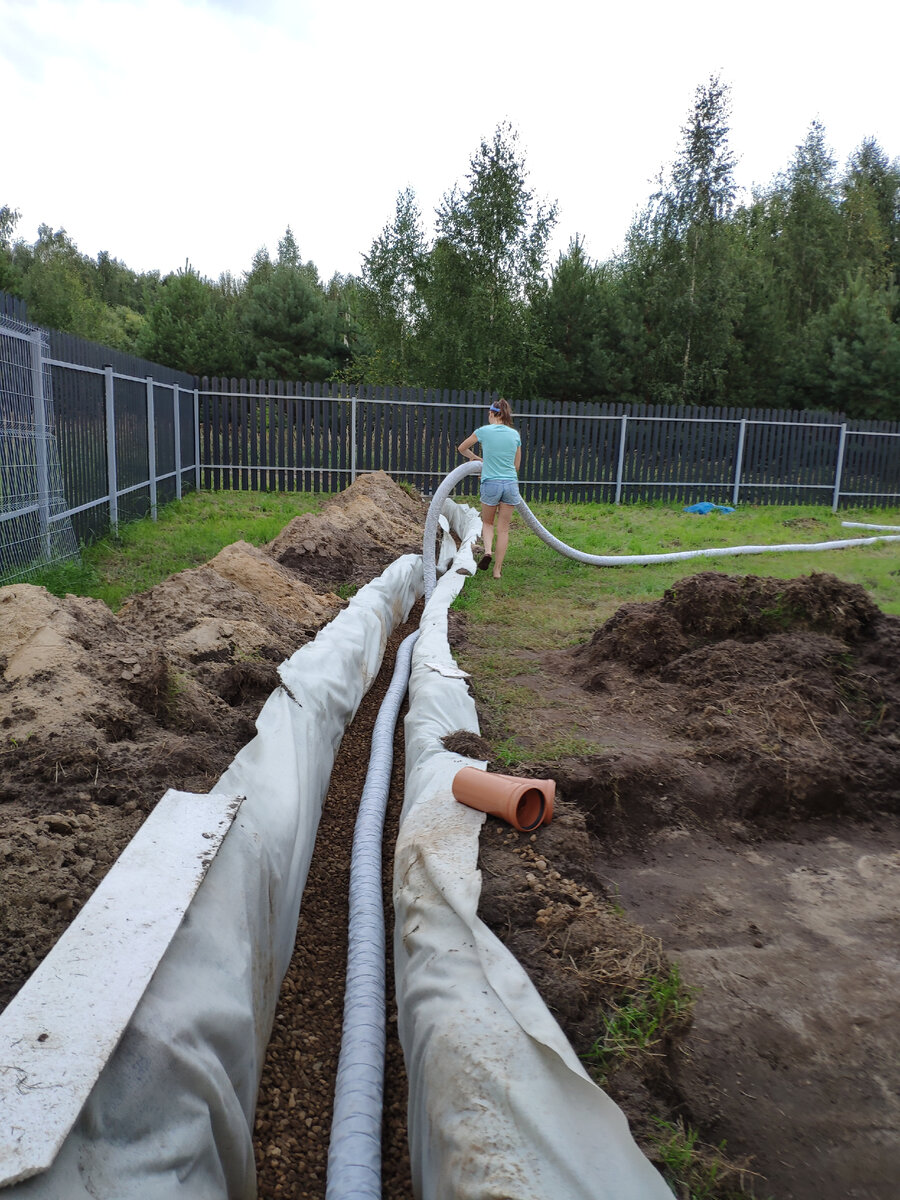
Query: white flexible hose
x=431, y=519
x=613, y=560
x=354, y=1152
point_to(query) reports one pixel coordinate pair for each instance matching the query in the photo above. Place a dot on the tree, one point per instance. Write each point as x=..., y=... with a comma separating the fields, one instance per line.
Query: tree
x=588, y=340
x=870, y=205
x=292, y=330
x=389, y=300
x=59, y=284
x=10, y=277
x=806, y=235
x=191, y=326
x=848, y=359
x=680, y=256
x=485, y=268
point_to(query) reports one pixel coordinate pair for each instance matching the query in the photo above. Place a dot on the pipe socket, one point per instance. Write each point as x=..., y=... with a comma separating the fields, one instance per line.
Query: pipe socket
x=523, y=803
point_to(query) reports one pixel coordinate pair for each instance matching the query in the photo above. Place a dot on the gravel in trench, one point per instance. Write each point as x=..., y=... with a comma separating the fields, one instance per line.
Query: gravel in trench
x=293, y=1116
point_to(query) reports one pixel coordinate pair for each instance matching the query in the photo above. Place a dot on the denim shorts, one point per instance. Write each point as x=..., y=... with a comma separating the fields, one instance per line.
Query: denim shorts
x=500, y=491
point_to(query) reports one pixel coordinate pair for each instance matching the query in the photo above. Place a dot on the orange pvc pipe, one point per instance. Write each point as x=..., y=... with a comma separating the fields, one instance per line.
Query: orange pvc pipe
x=523, y=803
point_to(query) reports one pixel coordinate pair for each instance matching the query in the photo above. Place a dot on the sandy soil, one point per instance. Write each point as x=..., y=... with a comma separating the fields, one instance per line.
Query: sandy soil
x=741, y=820
x=100, y=713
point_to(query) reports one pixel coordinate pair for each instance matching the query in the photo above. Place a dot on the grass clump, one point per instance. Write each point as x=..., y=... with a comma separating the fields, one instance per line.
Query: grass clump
x=641, y=1023
x=639, y=1027
x=696, y=1170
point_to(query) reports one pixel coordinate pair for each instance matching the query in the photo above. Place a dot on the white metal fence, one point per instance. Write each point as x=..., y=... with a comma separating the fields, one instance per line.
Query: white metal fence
x=119, y=446
x=35, y=524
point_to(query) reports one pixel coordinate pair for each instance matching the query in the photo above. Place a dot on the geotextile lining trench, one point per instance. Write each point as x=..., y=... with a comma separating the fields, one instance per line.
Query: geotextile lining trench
x=294, y=1109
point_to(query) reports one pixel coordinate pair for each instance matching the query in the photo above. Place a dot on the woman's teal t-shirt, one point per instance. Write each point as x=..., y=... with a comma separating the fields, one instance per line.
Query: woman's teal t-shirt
x=499, y=444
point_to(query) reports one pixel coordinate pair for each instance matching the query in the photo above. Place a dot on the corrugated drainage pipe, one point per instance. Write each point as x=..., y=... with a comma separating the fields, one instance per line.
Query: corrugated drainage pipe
x=605, y=560
x=354, y=1152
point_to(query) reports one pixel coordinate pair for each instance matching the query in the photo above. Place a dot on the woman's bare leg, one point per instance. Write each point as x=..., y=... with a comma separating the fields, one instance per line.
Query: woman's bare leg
x=488, y=512
x=503, y=519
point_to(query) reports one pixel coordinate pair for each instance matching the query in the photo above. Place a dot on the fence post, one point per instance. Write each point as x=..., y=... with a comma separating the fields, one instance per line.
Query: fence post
x=197, y=439
x=353, y=437
x=111, y=468
x=839, y=469
x=151, y=445
x=176, y=417
x=739, y=461
x=41, y=461
x=620, y=468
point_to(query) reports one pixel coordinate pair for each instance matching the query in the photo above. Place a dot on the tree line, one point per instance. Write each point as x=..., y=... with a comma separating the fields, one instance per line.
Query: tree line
x=788, y=300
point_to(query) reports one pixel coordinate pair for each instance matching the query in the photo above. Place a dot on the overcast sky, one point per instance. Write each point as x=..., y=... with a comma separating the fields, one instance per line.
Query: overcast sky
x=167, y=130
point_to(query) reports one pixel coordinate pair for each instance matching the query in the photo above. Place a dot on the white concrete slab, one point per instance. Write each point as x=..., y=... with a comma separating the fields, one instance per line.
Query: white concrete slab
x=57, y=1033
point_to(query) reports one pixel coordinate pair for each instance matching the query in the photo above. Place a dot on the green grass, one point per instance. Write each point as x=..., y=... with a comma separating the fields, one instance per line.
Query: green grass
x=543, y=599
x=510, y=752
x=543, y=594
x=697, y=1171
x=641, y=1022
x=188, y=533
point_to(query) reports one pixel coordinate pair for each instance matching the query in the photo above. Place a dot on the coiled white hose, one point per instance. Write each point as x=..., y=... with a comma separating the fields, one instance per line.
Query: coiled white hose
x=354, y=1152
x=613, y=560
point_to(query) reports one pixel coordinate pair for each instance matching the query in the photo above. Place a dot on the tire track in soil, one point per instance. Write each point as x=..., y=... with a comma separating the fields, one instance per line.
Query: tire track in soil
x=294, y=1106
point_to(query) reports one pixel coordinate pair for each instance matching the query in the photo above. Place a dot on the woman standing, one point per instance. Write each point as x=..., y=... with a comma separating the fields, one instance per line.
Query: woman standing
x=501, y=449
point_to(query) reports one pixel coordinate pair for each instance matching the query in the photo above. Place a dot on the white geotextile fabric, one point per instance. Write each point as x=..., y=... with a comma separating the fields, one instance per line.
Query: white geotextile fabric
x=499, y=1103
x=172, y=1112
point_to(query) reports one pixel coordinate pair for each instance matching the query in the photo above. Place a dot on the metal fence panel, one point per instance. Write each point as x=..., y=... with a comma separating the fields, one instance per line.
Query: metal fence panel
x=34, y=523
x=585, y=451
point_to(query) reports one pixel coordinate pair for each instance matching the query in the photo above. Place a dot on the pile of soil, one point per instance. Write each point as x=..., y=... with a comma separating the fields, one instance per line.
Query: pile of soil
x=101, y=712
x=356, y=535
x=770, y=699
x=742, y=822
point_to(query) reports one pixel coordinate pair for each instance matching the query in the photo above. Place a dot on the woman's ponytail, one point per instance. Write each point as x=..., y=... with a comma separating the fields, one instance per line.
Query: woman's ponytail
x=505, y=411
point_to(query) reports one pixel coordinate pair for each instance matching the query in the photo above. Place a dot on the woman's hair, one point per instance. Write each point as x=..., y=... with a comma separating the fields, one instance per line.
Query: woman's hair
x=501, y=409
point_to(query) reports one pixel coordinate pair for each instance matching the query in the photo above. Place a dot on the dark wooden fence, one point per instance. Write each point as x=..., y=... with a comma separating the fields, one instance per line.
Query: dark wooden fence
x=320, y=436
x=12, y=307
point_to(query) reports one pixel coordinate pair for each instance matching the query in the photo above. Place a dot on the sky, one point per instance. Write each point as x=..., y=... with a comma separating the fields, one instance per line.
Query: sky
x=174, y=131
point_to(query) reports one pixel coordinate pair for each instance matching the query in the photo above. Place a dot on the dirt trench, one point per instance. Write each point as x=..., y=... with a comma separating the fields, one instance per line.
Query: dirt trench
x=100, y=713
x=293, y=1116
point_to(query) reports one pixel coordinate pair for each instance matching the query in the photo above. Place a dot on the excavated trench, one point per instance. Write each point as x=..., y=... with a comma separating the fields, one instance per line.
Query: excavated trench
x=293, y=1117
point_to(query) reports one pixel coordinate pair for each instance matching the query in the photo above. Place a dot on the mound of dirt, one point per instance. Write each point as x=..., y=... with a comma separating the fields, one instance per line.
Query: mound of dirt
x=712, y=608
x=762, y=700
x=357, y=533
x=102, y=712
